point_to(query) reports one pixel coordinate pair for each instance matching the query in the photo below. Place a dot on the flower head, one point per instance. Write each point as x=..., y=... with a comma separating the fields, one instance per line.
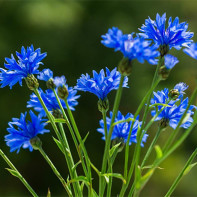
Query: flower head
x=51, y=101
x=22, y=131
x=191, y=50
x=175, y=35
x=170, y=61
x=60, y=81
x=121, y=130
x=181, y=87
x=27, y=63
x=172, y=114
x=45, y=74
x=131, y=48
x=101, y=84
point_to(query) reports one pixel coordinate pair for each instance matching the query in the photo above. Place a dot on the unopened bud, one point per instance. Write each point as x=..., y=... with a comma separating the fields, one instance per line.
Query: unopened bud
x=163, y=73
x=36, y=143
x=57, y=113
x=50, y=84
x=117, y=141
x=103, y=105
x=62, y=92
x=125, y=67
x=173, y=94
x=32, y=82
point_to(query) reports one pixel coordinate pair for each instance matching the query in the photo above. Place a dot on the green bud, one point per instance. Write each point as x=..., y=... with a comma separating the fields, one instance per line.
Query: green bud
x=62, y=92
x=117, y=141
x=36, y=143
x=125, y=67
x=50, y=84
x=163, y=72
x=173, y=94
x=32, y=82
x=103, y=105
x=163, y=123
x=57, y=113
x=163, y=49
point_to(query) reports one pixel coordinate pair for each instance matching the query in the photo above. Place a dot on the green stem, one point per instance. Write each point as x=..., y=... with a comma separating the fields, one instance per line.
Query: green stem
x=108, y=140
x=55, y=171
x=72, y=132
x=151, y=146
x=19, y=175
x=174, y=134
x=105, y=123
x=177, y=180
x=76, y=186
x=81, y=143
x=135, y=160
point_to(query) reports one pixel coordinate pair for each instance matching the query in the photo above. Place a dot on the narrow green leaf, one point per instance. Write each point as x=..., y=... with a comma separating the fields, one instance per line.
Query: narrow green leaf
x=113, y=149
x=147, y=175
x=58, y=120
x=116, y=175
x=187, y=170
x=150, y=166
x=85, y=137
x=95, y=169
x=58, y=144
x=158, y=151
x=49, y=193
x=14, y=173
x=138, y=177
x=75, y=166
x=159, y=104
x=122, y=121
x=80, y=178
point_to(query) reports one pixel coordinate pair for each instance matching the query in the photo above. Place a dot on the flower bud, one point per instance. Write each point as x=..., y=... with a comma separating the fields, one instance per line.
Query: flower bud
x=50, y=84
x=62, y=92
x=103, y=105
x=163, y=123
x=36, y=143
x=163, y=72
x=163, y=49
x=173, y=94
x=117, y=141
x=32, y=82
x=57, y=113
x=125, y=67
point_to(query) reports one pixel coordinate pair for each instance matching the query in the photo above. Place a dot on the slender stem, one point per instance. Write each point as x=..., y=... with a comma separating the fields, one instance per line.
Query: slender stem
x=55, y=171
x=105, y=123
x=81, y=143
x=72, y=132
x=108, y=140
x=76, y=186
x=151, y=146
x=109, y=187
x=172, y=137
x=177, y=180
x=135, y=160
x=19, y=175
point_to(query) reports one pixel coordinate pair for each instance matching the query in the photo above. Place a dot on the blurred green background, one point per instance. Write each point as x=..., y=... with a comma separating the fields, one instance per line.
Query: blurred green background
x=70, y=32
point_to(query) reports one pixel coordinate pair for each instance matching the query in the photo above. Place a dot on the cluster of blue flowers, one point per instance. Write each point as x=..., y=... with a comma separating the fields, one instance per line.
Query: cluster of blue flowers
x=172, y=114
x=154, y=40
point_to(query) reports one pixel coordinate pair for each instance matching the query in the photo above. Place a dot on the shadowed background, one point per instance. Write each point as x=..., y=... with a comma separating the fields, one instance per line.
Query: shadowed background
x=70, y=33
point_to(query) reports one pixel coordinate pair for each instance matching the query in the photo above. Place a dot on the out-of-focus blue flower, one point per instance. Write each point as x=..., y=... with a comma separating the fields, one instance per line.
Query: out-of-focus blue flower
x=51, y=102
x=113, y=38
x=21, y=132
x=60, y=81
x=170, y=61
x=121, y=130
x=175, y=35
x=27, y=63
x=174, y=111
x=101, y=84
x=131, y=48
x=181, y=87
x=191, y=50
x=45, y=74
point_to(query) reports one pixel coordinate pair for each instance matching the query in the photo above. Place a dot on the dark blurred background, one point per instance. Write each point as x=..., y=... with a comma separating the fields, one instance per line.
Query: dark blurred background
x=70, y=32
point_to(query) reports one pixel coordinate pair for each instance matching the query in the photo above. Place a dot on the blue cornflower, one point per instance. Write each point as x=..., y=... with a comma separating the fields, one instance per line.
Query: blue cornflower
x=45, y=74
x=27, y=63
x=60, y=81
x=170, y=61
x=101, y=84
x=192, y=50
x=121, y=130
x=131, y=48
x=173, y=112
x=21, y=132
x=51, y=102
x=175, y=35
x=181, y=87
